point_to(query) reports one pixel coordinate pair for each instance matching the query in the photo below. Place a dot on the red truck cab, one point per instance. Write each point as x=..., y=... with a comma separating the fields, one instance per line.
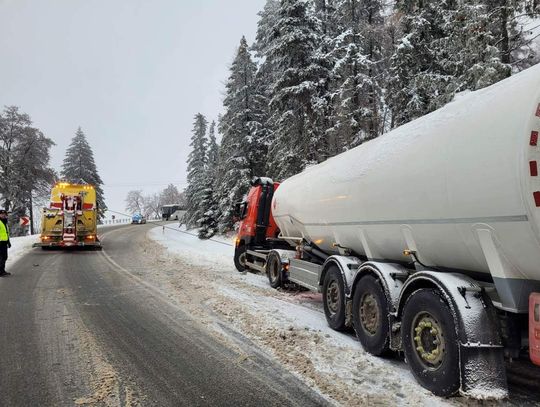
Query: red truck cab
x=257, y=224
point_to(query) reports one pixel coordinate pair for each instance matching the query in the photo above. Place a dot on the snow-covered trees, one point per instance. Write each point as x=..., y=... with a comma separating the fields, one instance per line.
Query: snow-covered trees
x=417, y=80
x=358, y=71
x=79, y=167
x=328, y=75
x=450, y=46
x=197, y=160
x=208, y=222
x=243, y=150
x=24, y=165
x=470, y=53
x=297, y=103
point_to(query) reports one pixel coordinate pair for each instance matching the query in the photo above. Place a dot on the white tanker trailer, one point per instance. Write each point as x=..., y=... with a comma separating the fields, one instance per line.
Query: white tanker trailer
x=426, y=239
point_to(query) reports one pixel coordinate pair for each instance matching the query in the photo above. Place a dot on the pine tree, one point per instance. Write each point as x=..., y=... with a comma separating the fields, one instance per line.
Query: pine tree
x=263, y=126
x=79, y=167
x=243, y=150
x=469, y=53
x=210, y=210
x=213, y=149
x=417, y=81
x=503, y=25
x=325, y=12
x=297, y=94
x=266, y=29
x=448, y=47
x=358, y=51
x=196, y=170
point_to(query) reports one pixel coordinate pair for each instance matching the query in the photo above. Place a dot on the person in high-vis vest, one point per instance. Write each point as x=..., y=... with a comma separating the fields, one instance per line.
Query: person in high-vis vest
x=5, y=244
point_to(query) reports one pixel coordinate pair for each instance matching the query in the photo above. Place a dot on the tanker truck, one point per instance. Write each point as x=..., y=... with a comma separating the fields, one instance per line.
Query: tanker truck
x=425, y=240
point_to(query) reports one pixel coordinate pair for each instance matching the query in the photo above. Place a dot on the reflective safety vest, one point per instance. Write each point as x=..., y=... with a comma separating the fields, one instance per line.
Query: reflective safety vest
x=4, y=232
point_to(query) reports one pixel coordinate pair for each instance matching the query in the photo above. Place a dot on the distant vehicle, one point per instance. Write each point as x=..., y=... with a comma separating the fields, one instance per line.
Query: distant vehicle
x=71, y=218
x=138, y=219
x=177, y=215
x=171, y=212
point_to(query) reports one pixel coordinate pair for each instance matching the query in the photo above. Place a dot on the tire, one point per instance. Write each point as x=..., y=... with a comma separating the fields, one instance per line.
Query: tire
x=240, y=258
x=370, y=316
x=334, y=299
x=428, y=326
x=274, y=270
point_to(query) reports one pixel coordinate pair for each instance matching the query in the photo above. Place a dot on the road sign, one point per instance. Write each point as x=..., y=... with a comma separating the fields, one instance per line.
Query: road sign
x=24, y=221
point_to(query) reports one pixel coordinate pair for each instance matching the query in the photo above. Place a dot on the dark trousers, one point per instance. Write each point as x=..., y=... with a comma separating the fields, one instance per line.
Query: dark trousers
x=3, y=256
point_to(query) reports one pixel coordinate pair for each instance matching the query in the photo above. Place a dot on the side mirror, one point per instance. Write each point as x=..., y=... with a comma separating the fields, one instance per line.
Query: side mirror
x=240, y=211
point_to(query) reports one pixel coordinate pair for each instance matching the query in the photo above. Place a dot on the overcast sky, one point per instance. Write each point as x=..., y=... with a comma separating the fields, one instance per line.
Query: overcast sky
x=131, y=73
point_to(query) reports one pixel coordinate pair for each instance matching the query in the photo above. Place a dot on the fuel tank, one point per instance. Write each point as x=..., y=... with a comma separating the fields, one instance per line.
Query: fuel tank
x=459, y=187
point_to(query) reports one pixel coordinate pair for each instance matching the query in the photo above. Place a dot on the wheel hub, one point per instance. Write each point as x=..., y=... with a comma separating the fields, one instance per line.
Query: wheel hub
x=333, y=297
x=428, y=340
x=369, y=313
x=242, y=259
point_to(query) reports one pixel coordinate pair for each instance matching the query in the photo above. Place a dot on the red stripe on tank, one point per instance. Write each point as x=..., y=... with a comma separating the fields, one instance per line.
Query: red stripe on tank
x=537, y=198
x=534, y=168
x=534, y=138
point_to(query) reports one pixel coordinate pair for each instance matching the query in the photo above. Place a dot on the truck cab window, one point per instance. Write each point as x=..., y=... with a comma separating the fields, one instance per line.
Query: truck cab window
x=240, y=210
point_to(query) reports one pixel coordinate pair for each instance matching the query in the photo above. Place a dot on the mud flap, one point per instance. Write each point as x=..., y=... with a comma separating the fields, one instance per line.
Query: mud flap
x=482, y=365
x=483, y=372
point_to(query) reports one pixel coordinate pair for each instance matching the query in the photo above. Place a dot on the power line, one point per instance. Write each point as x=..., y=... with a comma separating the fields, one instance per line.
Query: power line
x=174, y=229
x=150, y=184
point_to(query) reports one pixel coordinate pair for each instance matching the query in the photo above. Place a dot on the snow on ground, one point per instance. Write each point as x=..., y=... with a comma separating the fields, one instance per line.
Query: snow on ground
x=19, y=246
x=288, y=324
x=217, y=252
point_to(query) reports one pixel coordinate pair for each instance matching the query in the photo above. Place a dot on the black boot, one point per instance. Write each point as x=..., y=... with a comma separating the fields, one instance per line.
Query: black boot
x=5, y=273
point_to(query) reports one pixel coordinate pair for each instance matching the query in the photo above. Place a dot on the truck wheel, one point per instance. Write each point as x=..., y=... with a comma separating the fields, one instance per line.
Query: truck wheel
x=370, y=316
x=240, y=258
x=429, y=340
x=334, y=299
x=274, y=270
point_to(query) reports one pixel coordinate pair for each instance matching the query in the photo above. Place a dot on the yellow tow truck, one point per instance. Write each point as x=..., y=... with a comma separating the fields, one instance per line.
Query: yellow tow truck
x=71, y=218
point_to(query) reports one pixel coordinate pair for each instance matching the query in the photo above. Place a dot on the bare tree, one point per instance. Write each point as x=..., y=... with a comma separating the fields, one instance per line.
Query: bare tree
x=152, y=206
x=24, y=165
x=170, y=195
x=135, y=201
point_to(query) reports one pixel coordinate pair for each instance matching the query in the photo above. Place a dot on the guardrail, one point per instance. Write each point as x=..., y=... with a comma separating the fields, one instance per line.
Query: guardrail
x=115, y=221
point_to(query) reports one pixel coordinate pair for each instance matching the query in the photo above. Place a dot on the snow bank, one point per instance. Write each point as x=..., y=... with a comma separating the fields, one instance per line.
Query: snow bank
x=20, y=246
x=218, y=251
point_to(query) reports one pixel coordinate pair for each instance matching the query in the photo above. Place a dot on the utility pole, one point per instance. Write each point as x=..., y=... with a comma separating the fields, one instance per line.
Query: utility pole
x=31, y=211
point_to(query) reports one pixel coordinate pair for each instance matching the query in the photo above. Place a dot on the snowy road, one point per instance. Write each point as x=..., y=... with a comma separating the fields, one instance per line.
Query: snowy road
x=87, y=328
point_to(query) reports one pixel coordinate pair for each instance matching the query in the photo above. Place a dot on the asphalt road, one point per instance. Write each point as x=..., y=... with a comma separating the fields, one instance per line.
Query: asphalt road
x=76, y=328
